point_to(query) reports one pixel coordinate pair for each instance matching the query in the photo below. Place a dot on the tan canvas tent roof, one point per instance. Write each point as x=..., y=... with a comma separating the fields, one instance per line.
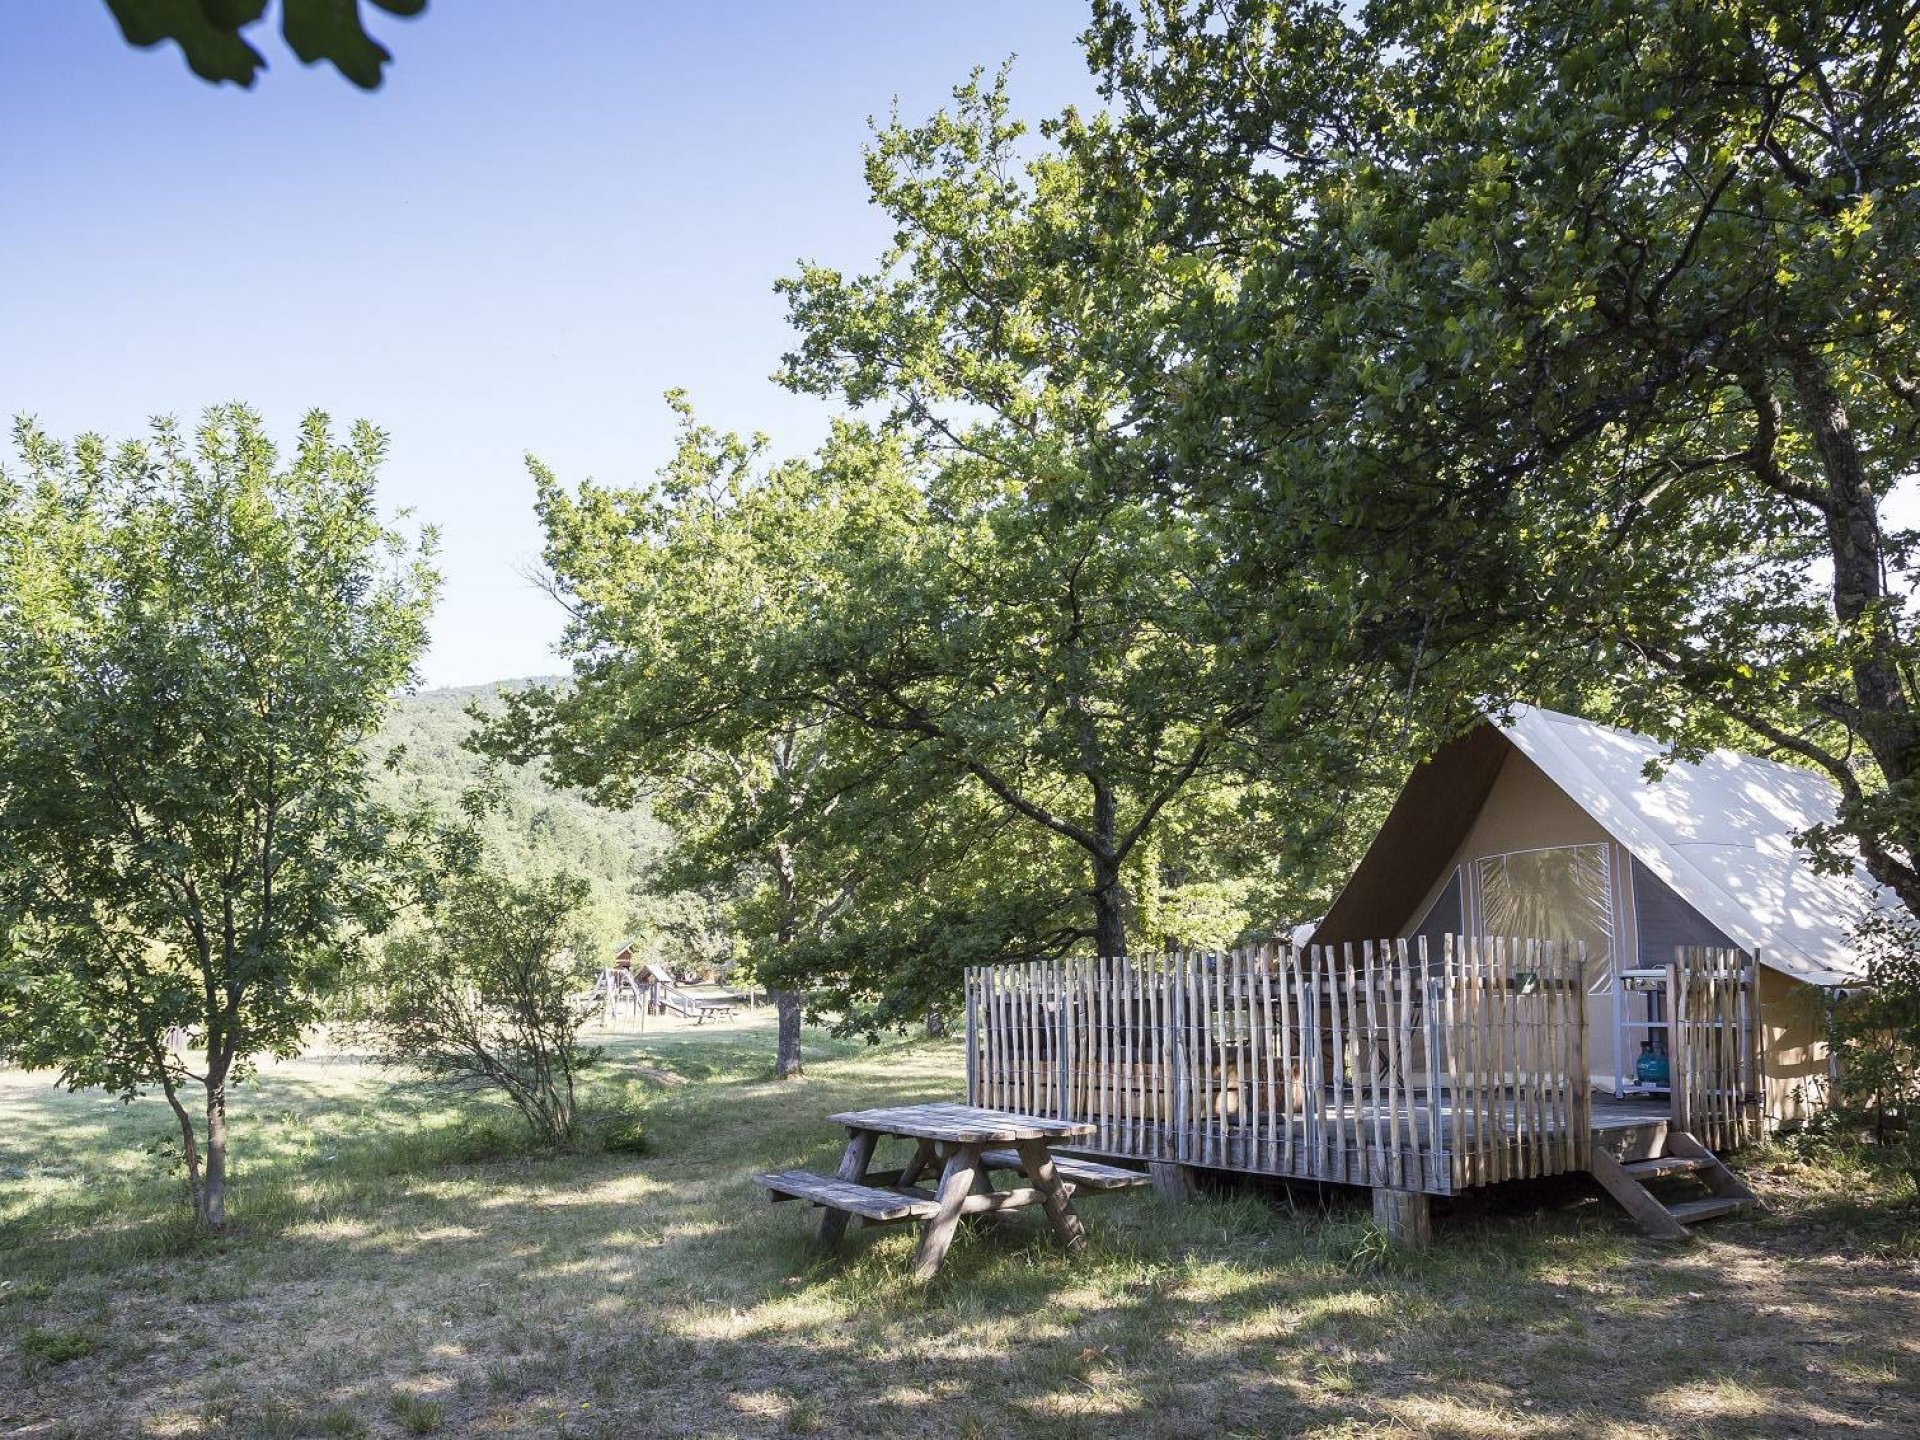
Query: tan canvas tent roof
x=1719, y=833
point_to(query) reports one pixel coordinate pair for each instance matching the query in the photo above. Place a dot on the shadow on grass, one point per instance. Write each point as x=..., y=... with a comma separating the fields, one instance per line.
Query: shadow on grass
x=522, y=1293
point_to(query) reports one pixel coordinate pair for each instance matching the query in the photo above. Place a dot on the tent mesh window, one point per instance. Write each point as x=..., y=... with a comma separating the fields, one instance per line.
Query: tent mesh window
x=1564, y=892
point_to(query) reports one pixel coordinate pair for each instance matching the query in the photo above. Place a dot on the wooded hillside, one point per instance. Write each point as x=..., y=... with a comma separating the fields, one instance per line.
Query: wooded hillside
x=535, y=829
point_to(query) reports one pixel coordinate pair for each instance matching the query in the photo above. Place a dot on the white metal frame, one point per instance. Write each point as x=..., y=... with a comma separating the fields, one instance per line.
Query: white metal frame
x=1627, y=1030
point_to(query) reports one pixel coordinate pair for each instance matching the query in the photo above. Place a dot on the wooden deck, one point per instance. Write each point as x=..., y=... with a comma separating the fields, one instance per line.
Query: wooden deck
x=1629, y=1113
x=1387, y=1066
x=1633, y=1128
x=1353, y=1152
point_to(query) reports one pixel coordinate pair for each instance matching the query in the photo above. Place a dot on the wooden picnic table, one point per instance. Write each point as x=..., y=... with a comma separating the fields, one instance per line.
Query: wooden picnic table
x=966, y=1145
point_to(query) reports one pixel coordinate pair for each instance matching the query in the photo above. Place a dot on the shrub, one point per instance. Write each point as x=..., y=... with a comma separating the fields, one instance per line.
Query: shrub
x=1875, y=1031
x=1362, y=1249
x=625, y=1134
x=484, y=996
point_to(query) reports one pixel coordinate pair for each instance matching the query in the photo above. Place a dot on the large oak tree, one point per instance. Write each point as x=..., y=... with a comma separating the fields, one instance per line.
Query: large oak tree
x=1072, y=634
x=1578, y=332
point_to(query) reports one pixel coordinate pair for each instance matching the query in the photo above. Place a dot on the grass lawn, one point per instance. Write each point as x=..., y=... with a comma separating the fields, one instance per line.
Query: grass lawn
x=400, y=1266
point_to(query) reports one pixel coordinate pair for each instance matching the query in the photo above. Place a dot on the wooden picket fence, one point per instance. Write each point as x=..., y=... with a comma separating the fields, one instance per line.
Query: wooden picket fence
x=1713, y=1041
x=1388, y=1064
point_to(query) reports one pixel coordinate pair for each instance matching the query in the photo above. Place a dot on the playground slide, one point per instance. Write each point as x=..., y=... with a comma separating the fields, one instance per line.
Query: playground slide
x=680, y=1003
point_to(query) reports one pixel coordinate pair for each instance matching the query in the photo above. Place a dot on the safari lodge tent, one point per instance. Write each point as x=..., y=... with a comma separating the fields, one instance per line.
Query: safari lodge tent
x=1546, y=825
x=1545, y=962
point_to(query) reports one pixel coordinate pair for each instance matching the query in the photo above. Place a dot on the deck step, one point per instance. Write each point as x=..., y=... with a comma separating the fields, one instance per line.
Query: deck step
x=1665, y=1165
x=1691, y=1212
x=1085, y=1174
x=862, y=1200
x=1669, y=1219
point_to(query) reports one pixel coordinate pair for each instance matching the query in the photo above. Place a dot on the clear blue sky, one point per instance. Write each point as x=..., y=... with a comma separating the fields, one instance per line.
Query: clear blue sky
x=549, y=214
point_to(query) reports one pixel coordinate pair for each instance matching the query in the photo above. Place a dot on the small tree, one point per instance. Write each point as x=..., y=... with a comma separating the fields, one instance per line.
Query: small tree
x=485, y=995
x=669, y=592
x=194, y=643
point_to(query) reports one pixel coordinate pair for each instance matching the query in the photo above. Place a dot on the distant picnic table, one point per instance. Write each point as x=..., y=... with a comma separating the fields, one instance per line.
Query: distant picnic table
x=966, y=1145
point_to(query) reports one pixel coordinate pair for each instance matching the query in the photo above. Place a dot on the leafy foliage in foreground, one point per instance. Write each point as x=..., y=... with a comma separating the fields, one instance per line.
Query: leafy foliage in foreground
x=212, y=34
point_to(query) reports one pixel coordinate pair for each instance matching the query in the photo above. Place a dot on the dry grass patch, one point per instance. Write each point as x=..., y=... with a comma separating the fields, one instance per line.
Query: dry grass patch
x=400, y=1267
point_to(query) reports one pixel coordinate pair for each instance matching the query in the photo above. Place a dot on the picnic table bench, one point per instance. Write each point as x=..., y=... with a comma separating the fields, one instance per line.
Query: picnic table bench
x=965, y=1145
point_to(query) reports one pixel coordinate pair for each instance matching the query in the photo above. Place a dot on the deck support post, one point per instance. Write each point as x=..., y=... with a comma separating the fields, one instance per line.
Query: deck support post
x=1405, y=1215
x=1172, y=1181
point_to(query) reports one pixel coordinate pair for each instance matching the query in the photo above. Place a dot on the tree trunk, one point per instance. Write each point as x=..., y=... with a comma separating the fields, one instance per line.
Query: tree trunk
x=936, y=1025
x=786, y=1060
x=189, y=1143
x=1880, y=713
x=211, y=1203
x=1858, y=550
x=786, y=1056
x=1109, y=908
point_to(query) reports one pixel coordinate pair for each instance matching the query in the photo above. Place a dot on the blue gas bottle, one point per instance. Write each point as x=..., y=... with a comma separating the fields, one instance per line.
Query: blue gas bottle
x=1651, y=1068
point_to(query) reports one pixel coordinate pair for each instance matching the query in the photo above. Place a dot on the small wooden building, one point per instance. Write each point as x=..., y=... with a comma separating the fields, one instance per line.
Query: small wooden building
x=1534, y=918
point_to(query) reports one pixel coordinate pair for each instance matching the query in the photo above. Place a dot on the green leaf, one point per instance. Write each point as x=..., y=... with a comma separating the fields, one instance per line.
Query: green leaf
x=330, y=30
x=207, y=32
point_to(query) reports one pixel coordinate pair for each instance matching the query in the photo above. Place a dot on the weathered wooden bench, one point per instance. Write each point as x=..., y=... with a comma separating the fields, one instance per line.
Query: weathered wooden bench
x=1082, y=1174
x=869, y=1202
x=880, y=1203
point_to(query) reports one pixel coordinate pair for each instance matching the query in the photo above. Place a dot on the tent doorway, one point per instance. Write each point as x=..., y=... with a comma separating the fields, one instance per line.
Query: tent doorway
x=1558, y=892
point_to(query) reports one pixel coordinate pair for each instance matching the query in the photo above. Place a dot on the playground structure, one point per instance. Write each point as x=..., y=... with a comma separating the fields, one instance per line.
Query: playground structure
x=628, y=990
